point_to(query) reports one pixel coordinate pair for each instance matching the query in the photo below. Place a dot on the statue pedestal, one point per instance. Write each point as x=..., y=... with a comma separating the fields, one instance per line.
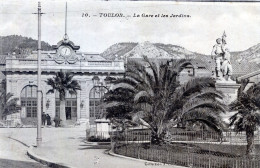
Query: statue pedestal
x=230, y=90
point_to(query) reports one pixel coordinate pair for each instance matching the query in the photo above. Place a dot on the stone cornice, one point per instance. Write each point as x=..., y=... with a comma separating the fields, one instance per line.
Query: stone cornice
x=10, y=70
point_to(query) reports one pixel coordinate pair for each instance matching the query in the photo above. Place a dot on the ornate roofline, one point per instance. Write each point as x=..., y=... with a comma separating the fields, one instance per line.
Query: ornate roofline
x=66, y=43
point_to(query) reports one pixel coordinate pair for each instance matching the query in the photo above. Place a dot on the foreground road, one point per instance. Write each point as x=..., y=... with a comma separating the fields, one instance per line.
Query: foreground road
x=68, y=146
x=13, y=155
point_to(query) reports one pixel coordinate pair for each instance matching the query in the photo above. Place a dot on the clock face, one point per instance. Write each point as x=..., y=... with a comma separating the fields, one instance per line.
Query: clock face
x=65, y=51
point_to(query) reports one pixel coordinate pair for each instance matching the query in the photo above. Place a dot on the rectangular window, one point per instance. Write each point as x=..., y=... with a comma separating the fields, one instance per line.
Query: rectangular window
x=74, y=103
x=91, y=103
x=97, y=102
x=34, y=111
x=57, y=107
x=29, y=103
x=34, y=103
x=97, y=115
x=68, y=103
x=29, y=111
x=91, y=112
x=57, y=103
x=58, y=111
x=23, y=103
x=28, y=114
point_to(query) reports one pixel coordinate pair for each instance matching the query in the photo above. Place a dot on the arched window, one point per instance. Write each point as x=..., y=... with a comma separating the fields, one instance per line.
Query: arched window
x=29, y=100
x=95, y=109
x=70, y=106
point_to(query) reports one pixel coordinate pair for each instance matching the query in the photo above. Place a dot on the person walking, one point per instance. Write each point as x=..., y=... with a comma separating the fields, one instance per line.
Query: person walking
x=48, y=118
x=43, y=119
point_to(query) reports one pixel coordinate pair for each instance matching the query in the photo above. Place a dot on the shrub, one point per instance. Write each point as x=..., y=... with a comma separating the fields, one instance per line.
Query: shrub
x=97, y=139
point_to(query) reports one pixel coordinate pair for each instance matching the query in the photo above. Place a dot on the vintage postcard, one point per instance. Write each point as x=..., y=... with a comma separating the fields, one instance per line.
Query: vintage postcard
x=129, y=84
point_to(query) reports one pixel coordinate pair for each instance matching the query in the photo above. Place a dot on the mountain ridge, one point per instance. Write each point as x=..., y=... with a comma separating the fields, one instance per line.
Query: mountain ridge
x=159, y=50
x=20, y=45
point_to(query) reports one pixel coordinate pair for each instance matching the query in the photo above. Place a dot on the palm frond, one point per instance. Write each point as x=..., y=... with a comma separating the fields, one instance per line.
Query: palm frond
x=122, y=85
x=154, y=69
x=113, y=104
x=140, y=94
x=63, y=82
x=211, y=120
x=196, y=103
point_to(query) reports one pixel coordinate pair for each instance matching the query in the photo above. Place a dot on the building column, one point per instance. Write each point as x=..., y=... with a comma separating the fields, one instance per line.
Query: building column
x=52, y=106
x=89, y=87
x=78, y=104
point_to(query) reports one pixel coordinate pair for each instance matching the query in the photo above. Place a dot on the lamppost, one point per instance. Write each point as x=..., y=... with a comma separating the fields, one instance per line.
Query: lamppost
x=39, y=96
x=101, y=87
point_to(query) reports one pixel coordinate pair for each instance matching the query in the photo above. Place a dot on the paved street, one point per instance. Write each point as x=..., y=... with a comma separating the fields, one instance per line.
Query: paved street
x=68, y=146
x=13, y=155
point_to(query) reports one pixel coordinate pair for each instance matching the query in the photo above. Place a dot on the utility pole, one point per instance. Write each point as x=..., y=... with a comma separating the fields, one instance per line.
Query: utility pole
x=39, y=92
x=66, y=37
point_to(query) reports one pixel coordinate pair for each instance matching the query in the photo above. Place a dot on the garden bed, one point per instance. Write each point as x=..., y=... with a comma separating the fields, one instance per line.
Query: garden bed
x=198, y=155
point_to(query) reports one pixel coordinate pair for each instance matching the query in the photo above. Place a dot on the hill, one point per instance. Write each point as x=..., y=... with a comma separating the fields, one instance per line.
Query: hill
x=151, y=50
x=19, y=44
x=118, y=49
x=252, y=54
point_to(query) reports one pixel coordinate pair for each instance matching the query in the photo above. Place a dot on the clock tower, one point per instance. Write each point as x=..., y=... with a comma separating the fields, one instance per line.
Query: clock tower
x=65, y=49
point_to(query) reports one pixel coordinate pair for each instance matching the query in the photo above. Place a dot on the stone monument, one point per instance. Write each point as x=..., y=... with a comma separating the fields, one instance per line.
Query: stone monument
x=220, y=53
x=224, y=83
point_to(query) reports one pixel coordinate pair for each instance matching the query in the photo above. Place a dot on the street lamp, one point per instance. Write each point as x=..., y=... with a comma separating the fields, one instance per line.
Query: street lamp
x=82, y=104
x=48, y=103
x=101, y=87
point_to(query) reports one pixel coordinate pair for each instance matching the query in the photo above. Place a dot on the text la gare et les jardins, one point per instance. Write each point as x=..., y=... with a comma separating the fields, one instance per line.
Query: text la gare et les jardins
x=136, y=15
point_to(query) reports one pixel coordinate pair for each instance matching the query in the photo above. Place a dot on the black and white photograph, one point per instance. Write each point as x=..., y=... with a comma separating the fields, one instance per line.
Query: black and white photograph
x=129, y=84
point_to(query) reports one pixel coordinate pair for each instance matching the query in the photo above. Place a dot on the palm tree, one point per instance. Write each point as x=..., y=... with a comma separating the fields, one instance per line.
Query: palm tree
x=63, y=82
x=119, y=105
x=8, y=105
x=247, y=117
x=199, y=101
x=159, y=99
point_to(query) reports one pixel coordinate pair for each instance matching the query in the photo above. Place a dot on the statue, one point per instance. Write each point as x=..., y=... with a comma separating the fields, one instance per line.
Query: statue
x=221, y=56
x=226, y=67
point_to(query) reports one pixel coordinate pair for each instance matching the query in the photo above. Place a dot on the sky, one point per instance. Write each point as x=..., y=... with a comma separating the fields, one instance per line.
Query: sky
x=197, y=33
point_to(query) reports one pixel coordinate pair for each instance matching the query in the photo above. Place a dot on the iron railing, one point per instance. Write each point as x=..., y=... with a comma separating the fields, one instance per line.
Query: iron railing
x=200, y=149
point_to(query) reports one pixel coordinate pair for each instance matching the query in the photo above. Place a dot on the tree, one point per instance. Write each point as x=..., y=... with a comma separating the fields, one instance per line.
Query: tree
x=247, y=117
x=8, y=105
x=63, y=82
x=119, y=106
x=152, y=91
x=198, y=101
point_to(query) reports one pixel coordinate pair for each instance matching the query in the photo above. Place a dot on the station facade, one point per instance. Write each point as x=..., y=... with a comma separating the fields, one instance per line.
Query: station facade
x=89, y=69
